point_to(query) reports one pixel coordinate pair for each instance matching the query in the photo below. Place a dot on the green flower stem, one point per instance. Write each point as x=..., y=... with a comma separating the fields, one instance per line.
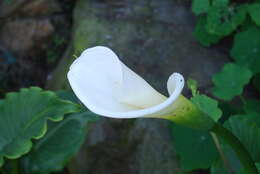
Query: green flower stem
x=187, y=114
x=221, y=153
x=241, y=152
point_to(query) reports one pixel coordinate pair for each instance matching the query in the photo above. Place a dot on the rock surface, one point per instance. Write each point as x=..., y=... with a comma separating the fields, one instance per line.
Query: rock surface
x=33, y=35
x=154, y=38
x=9, y=8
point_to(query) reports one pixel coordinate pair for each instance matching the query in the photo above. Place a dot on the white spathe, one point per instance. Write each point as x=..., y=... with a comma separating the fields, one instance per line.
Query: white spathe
x=108, y=87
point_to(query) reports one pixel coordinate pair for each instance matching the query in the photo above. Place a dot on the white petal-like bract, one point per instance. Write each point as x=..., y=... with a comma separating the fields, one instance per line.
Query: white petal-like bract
x=108, y=87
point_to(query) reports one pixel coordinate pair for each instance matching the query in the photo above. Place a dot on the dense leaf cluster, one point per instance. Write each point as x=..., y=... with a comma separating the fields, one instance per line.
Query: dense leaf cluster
x=217, y=20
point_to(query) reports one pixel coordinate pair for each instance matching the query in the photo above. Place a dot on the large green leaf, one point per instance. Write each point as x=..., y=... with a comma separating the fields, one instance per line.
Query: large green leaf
x=23, y=116
x=254, y=11
x=223, y=20
x=195, y=148
x=201, y=34
x=230, y=81
x=247, y=129
x=61, y=142
x=200, y=6
x=207, y=105
x=246, y=49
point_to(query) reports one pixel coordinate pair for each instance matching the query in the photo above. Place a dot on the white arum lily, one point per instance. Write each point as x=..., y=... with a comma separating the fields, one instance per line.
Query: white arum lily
x=109, y=88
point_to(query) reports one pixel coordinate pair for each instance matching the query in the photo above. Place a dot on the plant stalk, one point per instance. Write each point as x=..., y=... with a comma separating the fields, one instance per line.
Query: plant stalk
x=241, y=152
x=188, y=114
x=221, y=153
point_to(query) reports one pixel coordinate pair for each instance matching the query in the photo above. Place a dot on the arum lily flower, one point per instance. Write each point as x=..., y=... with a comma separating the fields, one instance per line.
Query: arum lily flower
x=107, y=87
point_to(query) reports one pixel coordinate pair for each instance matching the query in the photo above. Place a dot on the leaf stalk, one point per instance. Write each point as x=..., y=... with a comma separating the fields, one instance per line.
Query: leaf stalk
x=240, y=150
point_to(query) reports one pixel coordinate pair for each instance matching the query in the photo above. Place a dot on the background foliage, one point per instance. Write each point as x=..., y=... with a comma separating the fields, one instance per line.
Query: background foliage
x=218, y=20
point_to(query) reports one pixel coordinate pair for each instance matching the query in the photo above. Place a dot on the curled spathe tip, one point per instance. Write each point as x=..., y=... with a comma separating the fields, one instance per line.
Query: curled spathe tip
x=109, y=88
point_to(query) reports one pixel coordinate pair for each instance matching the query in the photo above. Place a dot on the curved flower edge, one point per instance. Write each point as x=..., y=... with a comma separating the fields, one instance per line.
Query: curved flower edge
x=146, y=112
x=99, y=70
